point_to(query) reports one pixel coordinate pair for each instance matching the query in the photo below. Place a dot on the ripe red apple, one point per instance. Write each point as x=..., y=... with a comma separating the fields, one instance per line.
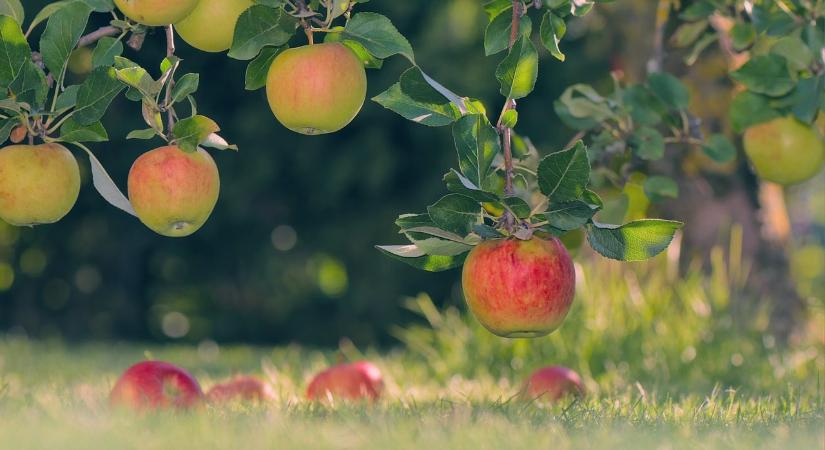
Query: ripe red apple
x=38, y=183
x=519, y=288
x=156, y=385
x=553, y=383
x=353, y=381
x=316, y=89
x=156, y=12
x=240, y=388
x=211, y=25
x=172, y=191
x=784, y=150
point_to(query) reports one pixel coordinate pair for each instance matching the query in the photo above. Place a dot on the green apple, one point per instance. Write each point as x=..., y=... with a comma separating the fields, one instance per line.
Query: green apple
x=38, y=183
x=784, y=150
x=211, y=25
x=155, y=13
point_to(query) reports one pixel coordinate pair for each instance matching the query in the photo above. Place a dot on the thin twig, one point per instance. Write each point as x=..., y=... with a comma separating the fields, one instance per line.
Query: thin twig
x=96, y=35
x=167, y=102
x=507, y=132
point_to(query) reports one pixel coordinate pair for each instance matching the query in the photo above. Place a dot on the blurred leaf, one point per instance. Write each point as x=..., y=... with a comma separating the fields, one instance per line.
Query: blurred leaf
x=517, y=73
x=808, y=98
x=62, y=32
x=14, y=10
x=748, y=109
x=648, y=143
x=798, y=55
x=378, y=35
x=742, y=34
x=669, y=89
x=497, y=33
x=455, y=213
x=564, y=175
x=688, y=33
x=258, y=27
x=71, y=131
x=656, y=187
x=258, y=68
x=700, y=9
x=192, y=131
x=14, y=52
x=634, y=241
x=645, y=108
x=551, y=31
x=95, y=94
x=765, y=74
x=719, y=148
x=699, y=47
x=495, y=7
x=415, y=257
x=477, y=144
x=105, y=51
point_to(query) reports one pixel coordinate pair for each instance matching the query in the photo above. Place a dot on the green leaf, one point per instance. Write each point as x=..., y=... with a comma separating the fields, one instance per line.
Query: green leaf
x=477, y=144
x=106, y=187
x=765, y=74
x=567, y=216
x=258, y=27
x=459, y=184
x=455, y=213
x=30, y=86
x=258, y=68
x=518, y=72
x=71, y=131
x=564, y=175
x=669, y=89
x=105, y=51
x=435, y=241
x=414, y=99
x=551, y=31
x=518, y=207
x=688, y=33
x=185, y=86
x=742, y=34
x=645, y=107
x=95, y=95
x=139, y=79
x=192, y=131
x=14, y=10
x=798, y=55
x=634, y=241
x=719, y=148
x=509, y=119
x=808, y=97
x=45, y=13
x=147, y=133
x=67, y=99
x=495, y=7
x=657, y=187
x=415, y=257
x=748, y=109
x=378, y=35
x=14, y=52
x=648, y=143
x=497, y=33
x=62, y=32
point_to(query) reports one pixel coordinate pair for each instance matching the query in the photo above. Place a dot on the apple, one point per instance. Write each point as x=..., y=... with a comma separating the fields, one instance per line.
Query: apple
x=354, y=381
x=316, y=89
x=211, y=25
x=174, y=192
x=518, y=288
x=784, y=150
x=38, y=183
x=240, y=388
x=156, y=385
x=552, y=383
x=155, y=13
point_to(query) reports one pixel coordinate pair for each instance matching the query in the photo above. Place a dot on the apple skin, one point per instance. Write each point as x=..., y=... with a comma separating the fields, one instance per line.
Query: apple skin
x=360, y=380
x=155, y=13
x=210, y=27
x=784, y=150
x=240, y=388
x=519, y=288
x=172, y=191
x=316, y=89
x=151, y=385
x=39, y=184
x=552, y=383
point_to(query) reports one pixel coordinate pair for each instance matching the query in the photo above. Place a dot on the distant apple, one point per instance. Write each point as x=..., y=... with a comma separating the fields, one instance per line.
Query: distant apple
x=784, y=150
x=240, y=388
x=151, y=385
x=355, y=381
x=553, y=383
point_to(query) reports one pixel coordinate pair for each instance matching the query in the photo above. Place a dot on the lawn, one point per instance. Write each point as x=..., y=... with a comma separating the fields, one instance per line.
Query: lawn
x=668, y=363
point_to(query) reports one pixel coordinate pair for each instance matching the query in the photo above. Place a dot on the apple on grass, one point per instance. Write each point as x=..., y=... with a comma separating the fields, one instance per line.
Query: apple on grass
x=316, y=89
x=39, y=184
x=155, y=13
x=784, y=150
x=241, y=388
x=173, y=191
x=152, y=385
x=553, y=383
x=211, y=25
x=360, y=380
x=519, y=288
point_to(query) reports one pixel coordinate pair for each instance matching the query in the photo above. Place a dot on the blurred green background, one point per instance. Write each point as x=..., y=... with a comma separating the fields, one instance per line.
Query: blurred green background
x=288, y=254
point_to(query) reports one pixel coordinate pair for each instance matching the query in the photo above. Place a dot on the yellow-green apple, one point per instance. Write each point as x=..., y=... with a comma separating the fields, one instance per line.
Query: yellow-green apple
x=211, y=25
x=316, y=89
x=38, y=183
x=360, y=380
x=552, y=383
x=156, y=385
x=784, y=150
x=174, y=192
x=519, y=288
x=156, y=13
x=240, y=388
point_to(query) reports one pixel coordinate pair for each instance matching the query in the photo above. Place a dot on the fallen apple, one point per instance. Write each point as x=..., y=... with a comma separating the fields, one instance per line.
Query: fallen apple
x=552, y=384
x=38, y=183
x=316, y=89
x=519, y=288
x=174, y=192
x=241, y=388
x=156, y=13
x=354, y=381
x=156, y=385
x=211, y=25
x=784, y=150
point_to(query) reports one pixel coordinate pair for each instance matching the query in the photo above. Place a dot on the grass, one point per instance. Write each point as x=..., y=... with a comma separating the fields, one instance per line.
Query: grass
x=669, y=362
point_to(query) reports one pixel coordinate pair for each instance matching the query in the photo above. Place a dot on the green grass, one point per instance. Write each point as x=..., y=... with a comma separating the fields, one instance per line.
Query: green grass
x=668, y=363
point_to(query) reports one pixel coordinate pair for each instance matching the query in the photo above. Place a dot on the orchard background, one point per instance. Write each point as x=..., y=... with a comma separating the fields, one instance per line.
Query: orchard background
x=720, y=340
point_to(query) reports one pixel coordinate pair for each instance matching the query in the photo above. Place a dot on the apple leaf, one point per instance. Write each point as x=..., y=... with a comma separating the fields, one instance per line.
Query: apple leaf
x=185, y=86
x=497, y=33
x=258, y=68
x=633, y=241
x=258, y=27
x=459, y=184
x=415, y=99
x=105, y=51
x=147, y=133
x=193, y=131
x=748, y=109
x=765, y=74
x=551, y=31
x=518, y=72
x=647, y=143
x=656, y=187
x=669, y=89
x=568, y=215
x=14, y=10
x=216, y=141
x=719, y=148
x=415, y=257
x=14, y=52
x=95, y=94
x=477, y=144
x=72, y=131
x=378, y=35
x=30, y=86
x=106, y=186
x=455, y=213
x=62, y=32
x=564, y=175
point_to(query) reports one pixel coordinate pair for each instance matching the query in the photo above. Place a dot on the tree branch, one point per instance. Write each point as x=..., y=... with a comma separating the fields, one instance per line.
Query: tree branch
x=94, y=36
x=167, y=101
x=505, y=131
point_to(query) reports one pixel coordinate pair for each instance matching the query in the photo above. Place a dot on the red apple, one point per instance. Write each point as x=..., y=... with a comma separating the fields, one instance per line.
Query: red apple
x=354, y=381
x=240, y=388
x=156, y=385
x=553, y=383
x=519, y=288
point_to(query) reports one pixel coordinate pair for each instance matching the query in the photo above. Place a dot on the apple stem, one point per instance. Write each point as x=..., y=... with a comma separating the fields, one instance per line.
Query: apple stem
x=505, y=131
